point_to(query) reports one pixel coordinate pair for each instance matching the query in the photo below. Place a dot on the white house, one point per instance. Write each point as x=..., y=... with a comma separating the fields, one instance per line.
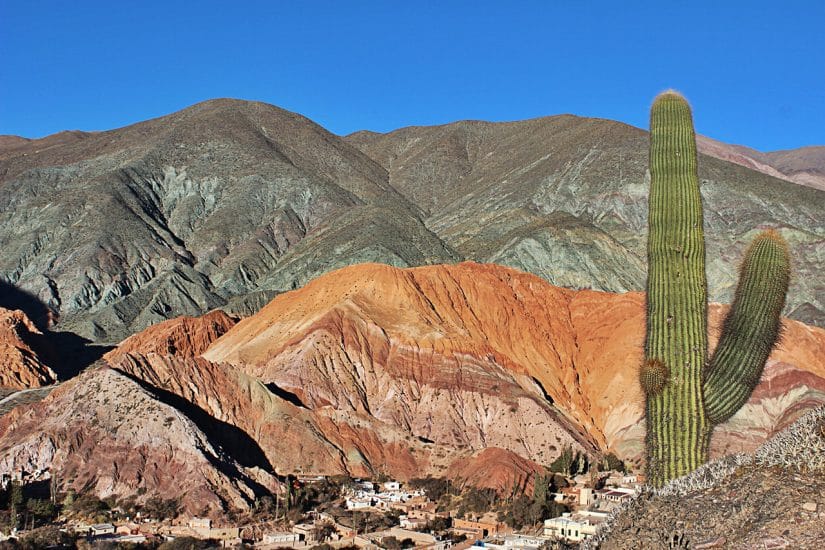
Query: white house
x=517, y=541
x=614, y=496
x=406, y=522
x=631, y=479
x=392, y=486
x=305, y=531
x=282, y=538
x=101, y=529
x=574, y=527
x=359, y=503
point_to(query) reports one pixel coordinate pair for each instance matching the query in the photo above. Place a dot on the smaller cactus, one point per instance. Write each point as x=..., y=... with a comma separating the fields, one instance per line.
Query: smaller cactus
x=653, y=376
x=751, y=328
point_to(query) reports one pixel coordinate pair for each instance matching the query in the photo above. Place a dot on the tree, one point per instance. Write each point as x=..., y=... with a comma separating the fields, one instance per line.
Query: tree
x=611, y=462
x=570, y=463
x=41, y=509
x=68, y=500
x=264, y=506
x=161, y=508
x=323, y=531
x=437, y=525
x=88, y=505
x=479, y=500
x=434, y=487
x=563, y=462
x=45, y=537
x=518, y=513
x=15, y=501
x=582, y=464
x=541, y=488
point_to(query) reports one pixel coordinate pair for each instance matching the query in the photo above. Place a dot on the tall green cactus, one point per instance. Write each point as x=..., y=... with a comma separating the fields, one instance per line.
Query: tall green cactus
x=686, y=395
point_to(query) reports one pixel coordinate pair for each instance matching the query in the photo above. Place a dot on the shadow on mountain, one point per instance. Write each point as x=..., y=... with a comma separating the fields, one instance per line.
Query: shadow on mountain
x=66, y=353
x=232, y=440
x=12, y=297
x=286, y=395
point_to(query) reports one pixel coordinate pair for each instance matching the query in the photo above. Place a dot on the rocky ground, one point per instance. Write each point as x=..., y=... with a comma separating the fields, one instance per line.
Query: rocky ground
x=757, y=507
x=774, y=499
x=23, y=353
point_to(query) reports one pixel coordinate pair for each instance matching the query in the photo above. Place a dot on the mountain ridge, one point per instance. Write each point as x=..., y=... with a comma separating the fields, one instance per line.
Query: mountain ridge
x=228, y=203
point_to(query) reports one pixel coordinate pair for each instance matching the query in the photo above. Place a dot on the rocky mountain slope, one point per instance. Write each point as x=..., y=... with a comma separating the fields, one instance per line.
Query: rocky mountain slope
x=565, y=198
x=398, y=343
x=497, y=469
x=22, y=353
x=104, y=433
x=223, y=203
x=354, y=428
x=227, y=203
x=112, y=434
x=805, y=166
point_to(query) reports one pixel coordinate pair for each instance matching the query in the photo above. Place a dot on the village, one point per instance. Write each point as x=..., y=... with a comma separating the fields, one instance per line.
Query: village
x=334, y=512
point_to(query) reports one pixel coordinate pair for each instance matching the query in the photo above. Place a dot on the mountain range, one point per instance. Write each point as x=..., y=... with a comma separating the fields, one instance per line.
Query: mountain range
x=228, y=203
x=456, y=301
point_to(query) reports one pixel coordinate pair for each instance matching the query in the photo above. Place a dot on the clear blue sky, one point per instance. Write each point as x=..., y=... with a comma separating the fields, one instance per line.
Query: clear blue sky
x=754, y=71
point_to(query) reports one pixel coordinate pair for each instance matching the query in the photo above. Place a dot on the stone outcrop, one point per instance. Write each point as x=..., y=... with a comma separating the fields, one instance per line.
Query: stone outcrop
x=771, y=498
x=181, y=337
x=21, y=353
x=494, y=468
x=104, y=433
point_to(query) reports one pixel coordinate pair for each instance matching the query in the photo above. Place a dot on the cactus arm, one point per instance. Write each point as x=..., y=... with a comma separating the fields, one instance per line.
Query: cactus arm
x=751, y=328
x=677, y=429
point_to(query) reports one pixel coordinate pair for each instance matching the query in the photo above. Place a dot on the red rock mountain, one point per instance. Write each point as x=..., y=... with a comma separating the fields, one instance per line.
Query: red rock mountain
x=21, y=364
x=183, y=336
x=115, y=434
x=497, y=469
x=404, y=345
x=805, y=166
x=480, y=373
x=292, y=431
x=105, y=433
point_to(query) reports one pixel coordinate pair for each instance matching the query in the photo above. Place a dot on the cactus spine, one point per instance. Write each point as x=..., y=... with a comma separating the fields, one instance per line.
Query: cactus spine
x=686, y=395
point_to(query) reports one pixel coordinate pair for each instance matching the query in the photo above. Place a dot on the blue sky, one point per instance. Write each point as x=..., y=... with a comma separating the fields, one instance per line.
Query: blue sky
x=754, y=71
